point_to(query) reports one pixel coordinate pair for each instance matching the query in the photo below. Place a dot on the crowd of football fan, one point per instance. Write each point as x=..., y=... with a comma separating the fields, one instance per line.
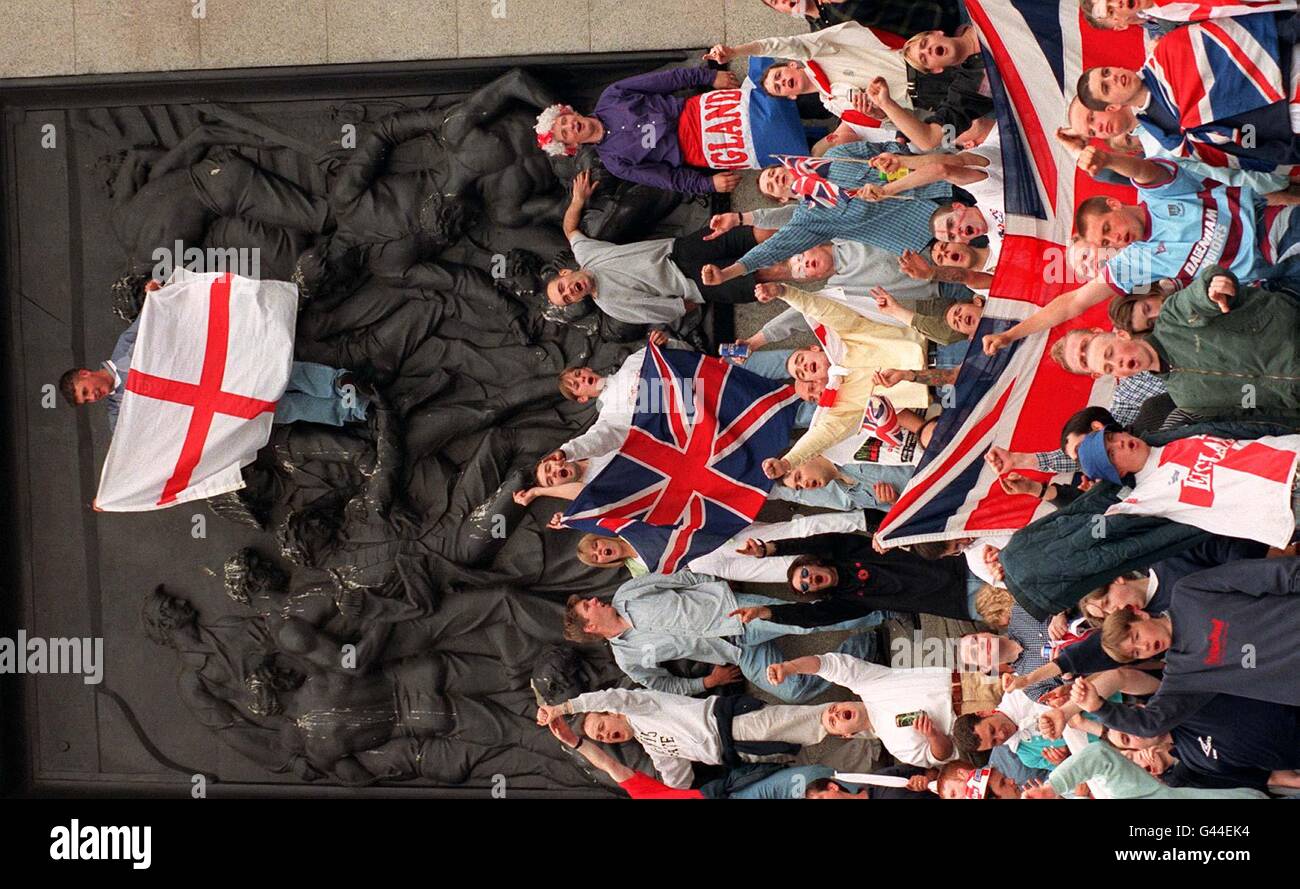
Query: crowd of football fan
x=1176, y=674
x=1142, y=628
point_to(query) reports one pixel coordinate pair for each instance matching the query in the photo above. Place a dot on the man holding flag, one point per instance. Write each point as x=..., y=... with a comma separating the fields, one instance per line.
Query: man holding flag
x=687, y=475
x=835, y=63
x=194, y=388
x=1220, y=92
x=316, y=393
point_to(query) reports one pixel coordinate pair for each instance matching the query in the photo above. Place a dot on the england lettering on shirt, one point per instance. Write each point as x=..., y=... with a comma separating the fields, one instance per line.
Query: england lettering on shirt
x=724, y=129
x=1225, y=486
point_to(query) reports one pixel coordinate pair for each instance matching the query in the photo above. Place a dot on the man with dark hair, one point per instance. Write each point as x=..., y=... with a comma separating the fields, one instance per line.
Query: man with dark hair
x=658, y=618
x=1138, y=403
x=839, y=576
x=1238, y=487
x=1178, y=98
x=1014, y=724
x=1161, y=16
x=1052, y=562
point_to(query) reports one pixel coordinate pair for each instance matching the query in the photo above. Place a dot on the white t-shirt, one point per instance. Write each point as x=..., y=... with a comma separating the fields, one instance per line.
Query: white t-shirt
x=674, y=730
x=1236, y=488
x=617, y=401
x=1024, y=712
x=887, y=693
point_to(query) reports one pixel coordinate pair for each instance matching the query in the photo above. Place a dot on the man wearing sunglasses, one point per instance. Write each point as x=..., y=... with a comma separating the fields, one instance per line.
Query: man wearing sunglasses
x=840, y=576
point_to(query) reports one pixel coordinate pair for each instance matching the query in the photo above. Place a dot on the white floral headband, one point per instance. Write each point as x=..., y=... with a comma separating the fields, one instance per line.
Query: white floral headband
x=546, y=139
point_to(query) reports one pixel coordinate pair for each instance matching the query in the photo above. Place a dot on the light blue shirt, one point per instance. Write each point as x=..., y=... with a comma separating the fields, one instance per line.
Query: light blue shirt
x=839, y=496
x=1192, y=224
x=892, y=226
x=682, y=615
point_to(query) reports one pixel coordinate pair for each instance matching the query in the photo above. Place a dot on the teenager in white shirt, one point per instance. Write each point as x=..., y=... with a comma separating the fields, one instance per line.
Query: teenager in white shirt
x=924, y=695
x=677, y=731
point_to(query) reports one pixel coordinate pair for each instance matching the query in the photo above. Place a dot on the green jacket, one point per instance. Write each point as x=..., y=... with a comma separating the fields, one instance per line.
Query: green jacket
x=1052, y=562
x=928, y=320
x=1242, y=363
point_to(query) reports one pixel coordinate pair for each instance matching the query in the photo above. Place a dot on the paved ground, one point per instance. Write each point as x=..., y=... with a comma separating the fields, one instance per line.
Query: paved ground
x=48, y=37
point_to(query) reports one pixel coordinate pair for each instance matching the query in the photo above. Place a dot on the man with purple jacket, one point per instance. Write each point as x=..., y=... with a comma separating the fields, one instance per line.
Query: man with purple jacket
x=642, y=132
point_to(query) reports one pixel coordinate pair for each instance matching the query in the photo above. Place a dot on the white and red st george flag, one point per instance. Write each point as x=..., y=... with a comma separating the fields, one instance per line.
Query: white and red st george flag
x=211, y=360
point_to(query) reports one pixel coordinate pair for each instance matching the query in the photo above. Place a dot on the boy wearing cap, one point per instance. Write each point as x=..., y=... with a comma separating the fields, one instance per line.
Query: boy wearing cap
x=1237, y=488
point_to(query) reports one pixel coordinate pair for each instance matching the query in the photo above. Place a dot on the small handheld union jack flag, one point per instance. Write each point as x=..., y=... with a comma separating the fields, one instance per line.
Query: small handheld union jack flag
x=815, y=189
x=808, y=183
x=881, y=420
x=802, y=164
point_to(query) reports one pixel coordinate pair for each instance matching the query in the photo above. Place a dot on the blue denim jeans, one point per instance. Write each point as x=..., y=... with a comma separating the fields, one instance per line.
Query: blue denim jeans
x=951, y=355
x=973, y=587
x=758, y=649
x=313, y=396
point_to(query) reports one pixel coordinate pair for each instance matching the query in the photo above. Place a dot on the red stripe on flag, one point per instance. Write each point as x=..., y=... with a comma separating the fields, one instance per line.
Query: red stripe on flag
x=956, y=452
x=683, y=536
x=206, y=398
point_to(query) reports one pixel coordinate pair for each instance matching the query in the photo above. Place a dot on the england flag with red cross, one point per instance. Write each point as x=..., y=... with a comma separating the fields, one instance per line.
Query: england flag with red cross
x=689, y=474
x=211, y=360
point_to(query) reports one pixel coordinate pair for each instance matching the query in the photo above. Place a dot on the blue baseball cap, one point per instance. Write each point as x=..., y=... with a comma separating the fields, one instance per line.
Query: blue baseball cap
x=1093, y=459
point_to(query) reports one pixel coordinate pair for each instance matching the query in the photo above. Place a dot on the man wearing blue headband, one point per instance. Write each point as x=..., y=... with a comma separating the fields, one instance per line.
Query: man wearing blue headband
x=1053, y=561
x=1093, y=459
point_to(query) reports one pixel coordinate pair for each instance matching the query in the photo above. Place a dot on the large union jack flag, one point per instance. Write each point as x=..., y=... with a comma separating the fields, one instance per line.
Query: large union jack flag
x=1018, y=399
x=689, y=474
